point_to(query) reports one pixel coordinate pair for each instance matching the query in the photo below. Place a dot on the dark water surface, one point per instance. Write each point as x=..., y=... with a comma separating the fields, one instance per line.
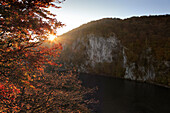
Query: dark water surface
x=124, y=96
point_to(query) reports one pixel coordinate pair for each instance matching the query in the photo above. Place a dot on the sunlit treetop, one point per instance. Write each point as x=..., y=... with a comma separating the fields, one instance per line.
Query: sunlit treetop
x=28, y=17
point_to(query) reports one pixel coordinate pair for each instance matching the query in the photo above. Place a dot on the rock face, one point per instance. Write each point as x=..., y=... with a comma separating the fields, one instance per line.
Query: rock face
x=113, y=52
x=91, y=51
x=100, y=50
x=146, y=72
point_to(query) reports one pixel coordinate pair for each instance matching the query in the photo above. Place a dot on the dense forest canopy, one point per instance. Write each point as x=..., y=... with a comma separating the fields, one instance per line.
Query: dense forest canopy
x=134, y=32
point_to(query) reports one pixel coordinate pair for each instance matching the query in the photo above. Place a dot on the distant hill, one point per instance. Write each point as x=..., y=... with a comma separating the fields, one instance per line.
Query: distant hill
x=136, y=48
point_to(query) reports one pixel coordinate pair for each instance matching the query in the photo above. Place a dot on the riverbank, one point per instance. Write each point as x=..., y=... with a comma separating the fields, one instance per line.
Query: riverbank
x=140, y=81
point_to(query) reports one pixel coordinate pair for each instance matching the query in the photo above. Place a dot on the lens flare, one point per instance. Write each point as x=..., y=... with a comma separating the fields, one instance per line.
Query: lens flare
x=51, y=37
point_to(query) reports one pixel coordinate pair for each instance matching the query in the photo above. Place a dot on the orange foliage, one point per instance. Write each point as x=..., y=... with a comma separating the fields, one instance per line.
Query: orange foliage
x=24, y=86
x=22, y=31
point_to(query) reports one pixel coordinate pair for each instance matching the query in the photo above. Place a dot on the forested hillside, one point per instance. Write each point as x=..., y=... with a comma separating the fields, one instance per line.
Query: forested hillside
x=134, y=48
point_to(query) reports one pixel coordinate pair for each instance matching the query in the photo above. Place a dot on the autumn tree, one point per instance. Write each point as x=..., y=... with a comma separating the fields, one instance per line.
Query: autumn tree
x=24, y=26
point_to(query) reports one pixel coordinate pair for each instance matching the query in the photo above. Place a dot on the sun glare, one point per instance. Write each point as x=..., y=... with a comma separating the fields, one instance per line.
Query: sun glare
x=52, y=37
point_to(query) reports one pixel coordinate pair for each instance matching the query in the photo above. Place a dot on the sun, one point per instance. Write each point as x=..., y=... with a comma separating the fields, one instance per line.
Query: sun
x=51, y=37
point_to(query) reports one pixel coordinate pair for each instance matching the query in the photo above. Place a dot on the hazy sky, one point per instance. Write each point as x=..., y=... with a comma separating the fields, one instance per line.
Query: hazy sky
x=77, y=12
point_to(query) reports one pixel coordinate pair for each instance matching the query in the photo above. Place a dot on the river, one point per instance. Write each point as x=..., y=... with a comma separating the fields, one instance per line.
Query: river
x=125, y=96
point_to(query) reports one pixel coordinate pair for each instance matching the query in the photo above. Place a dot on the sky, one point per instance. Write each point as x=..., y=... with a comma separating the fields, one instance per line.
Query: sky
x=77, y=12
